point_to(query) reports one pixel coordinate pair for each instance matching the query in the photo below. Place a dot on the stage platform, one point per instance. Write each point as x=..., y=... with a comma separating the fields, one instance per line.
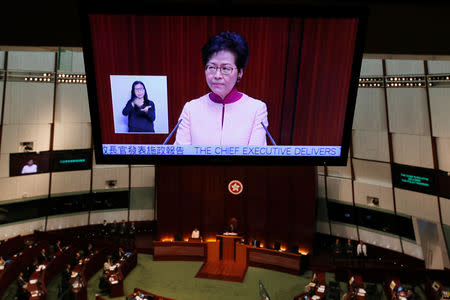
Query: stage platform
x=223, y=270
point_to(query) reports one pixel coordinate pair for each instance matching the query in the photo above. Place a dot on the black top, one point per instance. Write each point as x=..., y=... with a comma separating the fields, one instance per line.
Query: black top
x=232, y=228
x=42, y=257
x=139, y=121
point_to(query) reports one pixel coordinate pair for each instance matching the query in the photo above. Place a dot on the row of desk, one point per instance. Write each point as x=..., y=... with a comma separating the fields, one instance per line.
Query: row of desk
x=18, y=262
x=226, y=248
x=46, y=271
x=81, y=273
x=139, y=294
x=120, y=271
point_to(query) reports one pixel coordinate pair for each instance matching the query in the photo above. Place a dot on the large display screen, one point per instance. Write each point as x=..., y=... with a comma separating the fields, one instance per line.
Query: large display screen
x=275, y=84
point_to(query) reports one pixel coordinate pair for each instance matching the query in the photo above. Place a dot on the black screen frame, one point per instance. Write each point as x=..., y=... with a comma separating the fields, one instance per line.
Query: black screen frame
x=222, y=9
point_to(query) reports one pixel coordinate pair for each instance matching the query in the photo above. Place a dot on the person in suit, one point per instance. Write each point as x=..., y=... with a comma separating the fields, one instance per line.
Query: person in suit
x=132, y=230
x=120, y=253
x=337, y=250
x=77, y=259
x=349, y=251
x=22, y=293
x=43, y=257
x=21, y=280
x=113, y=230
x=30, y=269
x=58, y=247
x=104, y=229
x=65, y=278
x=122, y=229
x=224, y=116
x=232, y=225
x=103, y=284
x=89, y=250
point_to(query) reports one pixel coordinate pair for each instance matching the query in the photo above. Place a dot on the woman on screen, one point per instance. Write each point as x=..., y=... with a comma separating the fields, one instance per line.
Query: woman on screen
x=30, y=167
x=140, y=110
x=225, y=116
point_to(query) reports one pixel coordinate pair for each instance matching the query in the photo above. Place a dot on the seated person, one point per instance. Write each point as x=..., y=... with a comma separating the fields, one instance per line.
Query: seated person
x=78, y=259
x=2, y=263
x=195, y=234
x=21, y=282
x=108, y=264
x=137, y=296
x=65, y=278
x=89, y=250
x=43, y=257
x=31, y=269
x=120, y=253
x=103, y=285
x=122, y=228
x=22, y=293
x=58, y=247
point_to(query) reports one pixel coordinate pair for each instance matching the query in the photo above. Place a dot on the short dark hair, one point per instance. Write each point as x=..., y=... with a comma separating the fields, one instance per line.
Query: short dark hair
x=230, y=41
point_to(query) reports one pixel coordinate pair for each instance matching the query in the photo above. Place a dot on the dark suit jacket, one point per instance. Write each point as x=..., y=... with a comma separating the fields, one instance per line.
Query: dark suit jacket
x=42, y=257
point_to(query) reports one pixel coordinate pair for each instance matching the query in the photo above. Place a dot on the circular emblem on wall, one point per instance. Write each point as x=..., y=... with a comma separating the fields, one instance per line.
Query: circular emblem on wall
x=235, y=187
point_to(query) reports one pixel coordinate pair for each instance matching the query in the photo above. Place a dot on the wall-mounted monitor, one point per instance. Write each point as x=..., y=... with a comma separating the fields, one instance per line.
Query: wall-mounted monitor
x=28, y=163
x=218, y=83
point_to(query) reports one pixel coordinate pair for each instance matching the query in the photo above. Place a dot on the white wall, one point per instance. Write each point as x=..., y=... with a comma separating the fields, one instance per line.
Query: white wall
x=417, y=204
x=67, y=221
x=21, y=228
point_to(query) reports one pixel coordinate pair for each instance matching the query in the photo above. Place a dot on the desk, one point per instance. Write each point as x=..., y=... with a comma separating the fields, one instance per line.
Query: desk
x=228, y=246
x=391, y=287
x=355, y=288
x=18, y=263
x=82, y=273
x=179, y=251
x=273, y=260
x=9, y=274
x=315, y=290
x=435, y=289
x=244, y=254
x=141, y=291
x=116, y=277
x=36, y=284
x=52, y=268
x=12, y=246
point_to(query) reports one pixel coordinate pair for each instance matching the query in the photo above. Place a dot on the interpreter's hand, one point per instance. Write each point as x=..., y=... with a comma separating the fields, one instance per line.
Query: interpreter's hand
x=145, y=109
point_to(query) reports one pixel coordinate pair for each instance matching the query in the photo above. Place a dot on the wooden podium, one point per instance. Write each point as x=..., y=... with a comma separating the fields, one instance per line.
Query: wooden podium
x=228, y=246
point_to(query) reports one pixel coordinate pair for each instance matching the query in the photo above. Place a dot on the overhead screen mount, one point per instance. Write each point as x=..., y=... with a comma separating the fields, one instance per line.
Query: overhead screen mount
x=304, y=65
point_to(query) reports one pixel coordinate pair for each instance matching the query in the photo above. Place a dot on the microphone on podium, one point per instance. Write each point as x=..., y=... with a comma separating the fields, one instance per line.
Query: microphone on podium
x=173, y=130
x=268, y=133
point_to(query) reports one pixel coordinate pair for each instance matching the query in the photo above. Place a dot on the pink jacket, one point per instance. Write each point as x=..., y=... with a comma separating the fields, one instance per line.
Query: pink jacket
x=205, y=122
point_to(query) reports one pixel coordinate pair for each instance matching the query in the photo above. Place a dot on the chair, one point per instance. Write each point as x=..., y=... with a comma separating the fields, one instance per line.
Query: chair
x=277, y=245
